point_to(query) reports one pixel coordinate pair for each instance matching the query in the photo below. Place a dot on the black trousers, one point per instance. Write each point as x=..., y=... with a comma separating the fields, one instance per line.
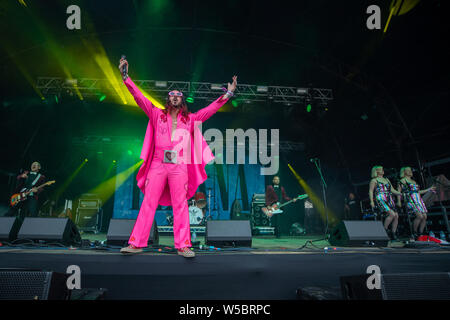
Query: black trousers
x=275, y=221
x=28, y=208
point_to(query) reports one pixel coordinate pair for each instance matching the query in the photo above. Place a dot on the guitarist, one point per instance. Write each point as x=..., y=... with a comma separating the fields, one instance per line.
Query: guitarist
x=31, y=180
x=276, y=193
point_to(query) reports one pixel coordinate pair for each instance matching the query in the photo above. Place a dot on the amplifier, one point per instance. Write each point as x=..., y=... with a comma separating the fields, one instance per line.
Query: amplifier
x=259, y=197
x=258, y=218
x=89, y=203
x=88, y=219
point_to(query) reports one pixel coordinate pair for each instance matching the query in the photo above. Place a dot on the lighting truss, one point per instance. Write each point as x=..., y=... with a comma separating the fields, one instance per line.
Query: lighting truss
x=197, y=90
x=97, y=141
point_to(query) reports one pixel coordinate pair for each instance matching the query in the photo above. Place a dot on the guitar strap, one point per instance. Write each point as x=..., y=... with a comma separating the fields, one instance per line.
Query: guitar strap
x=34, y=182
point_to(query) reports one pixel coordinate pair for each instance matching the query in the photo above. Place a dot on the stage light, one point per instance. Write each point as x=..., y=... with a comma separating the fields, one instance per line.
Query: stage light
x=86, y=160
x=161, y=84
x=56, y=99
x=114, y=161
x=190, y=99
x=72, y=82
x=234, y=103
x=308, y=107
x=216, y=86
x=130, y=152
x=262, y=89
x=302, y=91
x=103, y=97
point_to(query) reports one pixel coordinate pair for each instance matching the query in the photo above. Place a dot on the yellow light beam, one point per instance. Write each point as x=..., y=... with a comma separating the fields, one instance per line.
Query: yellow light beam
x=66, y=183
x=106, y=189
x=389, y=19
x=318, y=204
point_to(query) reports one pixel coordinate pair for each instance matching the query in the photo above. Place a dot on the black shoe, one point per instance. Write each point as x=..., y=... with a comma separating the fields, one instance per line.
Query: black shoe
x=394, y=236
x=389, y=233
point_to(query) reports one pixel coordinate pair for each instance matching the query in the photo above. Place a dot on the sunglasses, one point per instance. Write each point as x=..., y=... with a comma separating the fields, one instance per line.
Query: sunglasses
x=178, y=94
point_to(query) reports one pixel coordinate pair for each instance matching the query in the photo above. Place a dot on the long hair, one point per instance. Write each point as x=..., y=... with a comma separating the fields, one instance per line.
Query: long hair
x=373, y=173
x=402, y=172
x=184, y=109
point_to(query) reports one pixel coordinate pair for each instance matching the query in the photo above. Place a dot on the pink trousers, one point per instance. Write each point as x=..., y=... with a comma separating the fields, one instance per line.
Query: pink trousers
x=158, y=176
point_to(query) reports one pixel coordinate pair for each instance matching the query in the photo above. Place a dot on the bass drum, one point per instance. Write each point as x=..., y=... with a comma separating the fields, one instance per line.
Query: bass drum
x=195, y=215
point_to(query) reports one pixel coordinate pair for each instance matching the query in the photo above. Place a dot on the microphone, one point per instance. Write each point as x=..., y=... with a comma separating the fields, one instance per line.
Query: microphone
x=124, y=68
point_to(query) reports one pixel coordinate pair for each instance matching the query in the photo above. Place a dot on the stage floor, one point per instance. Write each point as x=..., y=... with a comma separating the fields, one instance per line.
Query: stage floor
x=272, y=269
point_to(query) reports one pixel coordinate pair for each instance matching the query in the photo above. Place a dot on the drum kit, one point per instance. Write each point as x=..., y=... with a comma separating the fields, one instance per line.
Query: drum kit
x=196, y=206
x=197, y=209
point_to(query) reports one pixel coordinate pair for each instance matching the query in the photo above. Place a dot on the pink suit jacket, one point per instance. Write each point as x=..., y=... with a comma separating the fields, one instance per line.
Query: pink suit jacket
x=196, y=169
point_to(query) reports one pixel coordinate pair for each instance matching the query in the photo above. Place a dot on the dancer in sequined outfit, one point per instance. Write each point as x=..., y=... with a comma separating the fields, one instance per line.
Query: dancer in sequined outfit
x=412, y=200
x=380, y=195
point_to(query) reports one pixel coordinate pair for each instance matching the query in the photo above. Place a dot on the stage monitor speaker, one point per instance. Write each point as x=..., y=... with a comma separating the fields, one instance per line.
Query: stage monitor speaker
x=50, y=230
x=33, y=285
x=228, y=233
x=398, y=286
x=9, y=228
x=119, y=232
x=358, y=234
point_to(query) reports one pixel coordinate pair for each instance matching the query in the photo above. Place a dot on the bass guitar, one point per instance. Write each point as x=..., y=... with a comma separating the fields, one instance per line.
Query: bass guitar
x=269, y=211
x=23, y=195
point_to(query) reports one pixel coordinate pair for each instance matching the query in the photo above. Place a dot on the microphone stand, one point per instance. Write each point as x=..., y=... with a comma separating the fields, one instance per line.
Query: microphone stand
x=324, y=187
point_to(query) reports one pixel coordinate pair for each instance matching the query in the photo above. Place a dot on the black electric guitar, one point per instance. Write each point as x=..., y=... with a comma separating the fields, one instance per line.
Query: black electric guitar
x=276, y=207
x=23, y=195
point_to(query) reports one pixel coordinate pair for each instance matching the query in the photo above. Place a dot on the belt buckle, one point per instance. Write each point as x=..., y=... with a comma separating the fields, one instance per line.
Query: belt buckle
x=170, y=156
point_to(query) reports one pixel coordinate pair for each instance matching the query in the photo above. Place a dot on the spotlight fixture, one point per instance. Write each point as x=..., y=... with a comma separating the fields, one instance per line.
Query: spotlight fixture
x=302, y=90
x=262, y=89
x=72, y=82
x=216, y=86
x=161, y=84
x=190, y=99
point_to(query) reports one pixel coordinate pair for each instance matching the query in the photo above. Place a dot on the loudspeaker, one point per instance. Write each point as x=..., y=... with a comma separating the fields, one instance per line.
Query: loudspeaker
x=398, y=286
x=229, y=233
x=359, y=233
x=258, y=218
x=33, y=285
x=56, y=230
x=119, y=232
x=9, y=227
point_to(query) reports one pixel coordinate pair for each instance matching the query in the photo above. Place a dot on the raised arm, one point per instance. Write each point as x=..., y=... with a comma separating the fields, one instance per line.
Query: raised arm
x=141, y=101
x=206, y=113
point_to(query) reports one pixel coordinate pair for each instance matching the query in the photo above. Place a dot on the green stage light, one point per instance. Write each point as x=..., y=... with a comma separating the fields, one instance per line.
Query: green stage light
x=114, y=161
x=130, y=152
x=103, y=97
x=234, y=103
x=56, y=99
x=190, y=99
x=308, y=107
x=86, y=160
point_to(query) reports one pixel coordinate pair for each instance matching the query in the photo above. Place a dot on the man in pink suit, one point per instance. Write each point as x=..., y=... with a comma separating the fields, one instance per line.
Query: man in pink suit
x=175, y=155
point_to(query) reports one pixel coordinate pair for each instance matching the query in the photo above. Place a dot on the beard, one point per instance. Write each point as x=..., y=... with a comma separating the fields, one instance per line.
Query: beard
x=175, y=106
